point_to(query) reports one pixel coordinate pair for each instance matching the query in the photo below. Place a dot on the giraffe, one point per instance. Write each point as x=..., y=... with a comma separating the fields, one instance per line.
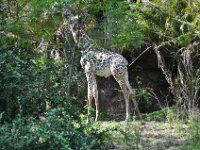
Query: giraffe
x=97, y=61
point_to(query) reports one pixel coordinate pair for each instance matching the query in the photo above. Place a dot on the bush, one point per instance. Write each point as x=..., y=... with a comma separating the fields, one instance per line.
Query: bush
x=147, y=102
x=193, y=132
x=56, y=129
x=28, y=82
x=194, y=128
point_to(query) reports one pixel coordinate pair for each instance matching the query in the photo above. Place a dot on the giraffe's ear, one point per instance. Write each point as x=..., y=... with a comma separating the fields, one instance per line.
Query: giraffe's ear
x=67, y=11
x=82, y=52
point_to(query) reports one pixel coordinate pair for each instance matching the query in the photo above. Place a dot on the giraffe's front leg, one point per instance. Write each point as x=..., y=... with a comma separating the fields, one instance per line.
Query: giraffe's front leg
x=95, y=95
x=90, y=97
x=90, y=94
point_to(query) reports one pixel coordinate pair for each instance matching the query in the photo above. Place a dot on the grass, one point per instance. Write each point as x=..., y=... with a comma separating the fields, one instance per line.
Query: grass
x=160, y=130
x=135, y=135
x=123, y=135
x=191, y=144
x=161, y=134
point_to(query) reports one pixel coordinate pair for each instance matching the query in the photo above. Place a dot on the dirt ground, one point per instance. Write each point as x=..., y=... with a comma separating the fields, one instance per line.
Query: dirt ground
x=147, y=135
x=162, y=136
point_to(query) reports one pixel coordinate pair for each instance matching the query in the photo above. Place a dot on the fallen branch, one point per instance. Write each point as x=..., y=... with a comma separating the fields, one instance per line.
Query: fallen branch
x=148, y=48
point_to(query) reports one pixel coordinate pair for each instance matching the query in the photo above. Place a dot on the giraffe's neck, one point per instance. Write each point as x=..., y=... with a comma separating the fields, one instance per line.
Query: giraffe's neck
x=82, y=39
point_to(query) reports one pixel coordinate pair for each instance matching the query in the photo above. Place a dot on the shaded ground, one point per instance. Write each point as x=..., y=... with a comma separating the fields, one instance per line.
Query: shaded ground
x=161, y=136
x=145, y=136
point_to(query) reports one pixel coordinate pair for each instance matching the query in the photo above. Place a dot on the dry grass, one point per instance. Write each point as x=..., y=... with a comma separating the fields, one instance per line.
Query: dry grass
x=145, y=136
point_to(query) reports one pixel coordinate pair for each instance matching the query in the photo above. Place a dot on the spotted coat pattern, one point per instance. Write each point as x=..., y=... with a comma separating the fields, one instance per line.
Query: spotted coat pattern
x=97, y=61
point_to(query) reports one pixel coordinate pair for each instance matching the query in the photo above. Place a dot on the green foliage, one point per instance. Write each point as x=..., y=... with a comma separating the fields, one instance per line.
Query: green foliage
x=194, y=127
x=30, y=81
x=193, y=133
x=123, y=27
x=156, y=115
x=27, y=84
x=16, y=79
x=25, y=22
x=168, y=21
x=165, y=114
x=147, y=102
x=127, y=135
x=131, y=134
x=191, y=144
x=111, y=24
x=56, y=129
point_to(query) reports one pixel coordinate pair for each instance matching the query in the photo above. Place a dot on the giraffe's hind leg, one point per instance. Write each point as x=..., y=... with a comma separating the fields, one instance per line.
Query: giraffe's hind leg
x=132, y=95
x=122, y=79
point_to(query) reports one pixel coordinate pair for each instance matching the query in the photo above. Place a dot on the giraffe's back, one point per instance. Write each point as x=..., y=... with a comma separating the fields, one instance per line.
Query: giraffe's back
x=102, y=63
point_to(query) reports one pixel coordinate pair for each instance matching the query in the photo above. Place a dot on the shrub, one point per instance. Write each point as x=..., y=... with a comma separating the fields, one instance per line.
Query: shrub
x=28, y=82
x=56, y=129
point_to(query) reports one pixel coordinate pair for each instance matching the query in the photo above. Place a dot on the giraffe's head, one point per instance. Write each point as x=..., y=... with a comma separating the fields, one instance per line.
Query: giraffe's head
x=67, y=12
x=75, y=22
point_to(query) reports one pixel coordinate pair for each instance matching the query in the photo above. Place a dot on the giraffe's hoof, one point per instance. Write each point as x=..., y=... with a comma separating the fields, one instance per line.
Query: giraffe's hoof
x=127, y=120
x=87, y=121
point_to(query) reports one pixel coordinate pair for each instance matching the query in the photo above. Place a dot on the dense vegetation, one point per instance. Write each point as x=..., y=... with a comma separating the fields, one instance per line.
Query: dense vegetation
x=42, y=99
